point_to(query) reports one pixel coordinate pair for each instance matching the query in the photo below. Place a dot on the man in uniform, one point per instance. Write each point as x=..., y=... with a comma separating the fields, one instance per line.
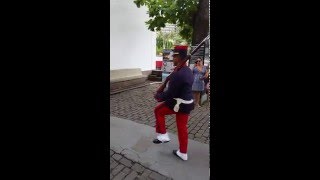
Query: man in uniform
x=177, y=99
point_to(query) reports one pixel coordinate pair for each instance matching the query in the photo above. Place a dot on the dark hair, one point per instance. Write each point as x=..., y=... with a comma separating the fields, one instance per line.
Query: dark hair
x=198, y=60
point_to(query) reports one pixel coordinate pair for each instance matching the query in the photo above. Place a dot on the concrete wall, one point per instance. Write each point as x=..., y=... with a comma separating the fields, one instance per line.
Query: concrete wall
x=132, y=45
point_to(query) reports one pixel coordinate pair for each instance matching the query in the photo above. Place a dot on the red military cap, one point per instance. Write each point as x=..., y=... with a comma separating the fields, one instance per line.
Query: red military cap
x=180, y=50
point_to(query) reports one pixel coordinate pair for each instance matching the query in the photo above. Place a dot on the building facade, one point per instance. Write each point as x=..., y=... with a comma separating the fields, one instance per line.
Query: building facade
x=132, y=45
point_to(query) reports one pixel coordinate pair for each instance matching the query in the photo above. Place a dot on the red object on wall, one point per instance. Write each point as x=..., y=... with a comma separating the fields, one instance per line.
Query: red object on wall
x=158, y=65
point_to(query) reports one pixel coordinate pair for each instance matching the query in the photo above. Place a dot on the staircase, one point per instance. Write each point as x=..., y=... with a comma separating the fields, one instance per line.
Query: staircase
x=156, y=75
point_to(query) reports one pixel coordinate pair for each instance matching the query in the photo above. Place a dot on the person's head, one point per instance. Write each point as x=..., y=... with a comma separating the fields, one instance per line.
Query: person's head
x=179, y=54
x=198, y=61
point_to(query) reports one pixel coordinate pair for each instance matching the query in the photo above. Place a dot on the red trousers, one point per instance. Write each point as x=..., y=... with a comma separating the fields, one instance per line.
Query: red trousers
x=181, y=119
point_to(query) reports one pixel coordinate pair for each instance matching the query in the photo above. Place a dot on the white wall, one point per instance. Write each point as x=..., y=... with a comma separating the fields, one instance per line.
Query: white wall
x=132, y=45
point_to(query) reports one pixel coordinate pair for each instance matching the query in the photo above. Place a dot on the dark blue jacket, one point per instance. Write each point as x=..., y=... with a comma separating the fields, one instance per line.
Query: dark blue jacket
x=180, y=86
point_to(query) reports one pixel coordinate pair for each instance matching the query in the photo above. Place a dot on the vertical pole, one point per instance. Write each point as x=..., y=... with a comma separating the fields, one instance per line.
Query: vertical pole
x=209, y=85
x=209, y=57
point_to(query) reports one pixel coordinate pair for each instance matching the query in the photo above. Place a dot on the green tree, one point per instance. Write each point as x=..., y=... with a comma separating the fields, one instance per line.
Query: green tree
x=166, y=40
x=192, y=16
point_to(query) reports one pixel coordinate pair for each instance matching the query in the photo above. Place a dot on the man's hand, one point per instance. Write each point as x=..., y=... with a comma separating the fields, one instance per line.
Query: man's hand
x=156, y=98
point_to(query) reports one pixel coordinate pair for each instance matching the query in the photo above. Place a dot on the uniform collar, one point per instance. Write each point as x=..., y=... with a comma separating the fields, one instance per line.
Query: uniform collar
x=181, y=66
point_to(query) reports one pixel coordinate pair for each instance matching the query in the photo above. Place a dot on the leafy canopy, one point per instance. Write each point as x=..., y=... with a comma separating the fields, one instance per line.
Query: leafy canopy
x=166, y=40
x=179, y=12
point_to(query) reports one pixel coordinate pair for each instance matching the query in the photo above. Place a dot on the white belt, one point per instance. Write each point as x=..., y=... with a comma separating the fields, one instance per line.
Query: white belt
x=179, y=101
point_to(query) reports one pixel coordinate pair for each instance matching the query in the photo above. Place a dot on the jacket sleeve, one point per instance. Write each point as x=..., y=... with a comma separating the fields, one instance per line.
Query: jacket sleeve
x=172, y=91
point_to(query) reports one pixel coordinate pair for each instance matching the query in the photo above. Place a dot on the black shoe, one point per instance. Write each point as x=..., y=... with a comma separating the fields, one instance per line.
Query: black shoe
x=175, y=153
x=157, y=141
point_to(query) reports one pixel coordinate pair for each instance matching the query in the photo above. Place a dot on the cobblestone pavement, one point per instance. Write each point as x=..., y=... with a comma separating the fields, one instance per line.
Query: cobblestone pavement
x=125, y=169
x=138, y=105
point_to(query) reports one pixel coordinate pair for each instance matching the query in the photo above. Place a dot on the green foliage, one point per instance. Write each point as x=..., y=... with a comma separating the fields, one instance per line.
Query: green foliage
x=179, y=12
x=168, y=40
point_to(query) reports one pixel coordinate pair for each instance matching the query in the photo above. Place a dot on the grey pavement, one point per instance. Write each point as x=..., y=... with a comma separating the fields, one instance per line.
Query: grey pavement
x=123, y=168
x=134, y=142
x=138, y=104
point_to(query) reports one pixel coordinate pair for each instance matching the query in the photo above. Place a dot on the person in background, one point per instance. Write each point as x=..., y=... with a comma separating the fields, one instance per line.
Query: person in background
x=199, y=73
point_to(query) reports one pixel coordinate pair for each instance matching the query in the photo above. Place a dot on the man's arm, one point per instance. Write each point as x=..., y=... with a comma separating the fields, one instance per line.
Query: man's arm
x=173, y=88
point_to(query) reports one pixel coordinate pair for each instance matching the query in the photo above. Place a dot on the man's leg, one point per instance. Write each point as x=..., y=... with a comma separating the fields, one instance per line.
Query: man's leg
x=182, y=121
x=160, y=111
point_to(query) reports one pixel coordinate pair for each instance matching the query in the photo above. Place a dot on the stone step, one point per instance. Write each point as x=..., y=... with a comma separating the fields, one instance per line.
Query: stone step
x=117, y=86
x=155, y=78
x=156, y=72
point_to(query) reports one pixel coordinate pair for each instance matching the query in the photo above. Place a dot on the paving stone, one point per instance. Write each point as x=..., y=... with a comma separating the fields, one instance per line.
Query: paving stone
x=117, y=169
x=113, y=164
x=173, y=125
x=197, y=128
x=204, y=128
x=201, y=131
x=137, y=167
x=205, y=134
x=131, y=176
x=197, y=139
x=190, y=136
x=146, y=173
x=141, y=178
x=126, y=170
x=193, y=132
x=117, y=156
x=126, y=162
x=119, y=176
